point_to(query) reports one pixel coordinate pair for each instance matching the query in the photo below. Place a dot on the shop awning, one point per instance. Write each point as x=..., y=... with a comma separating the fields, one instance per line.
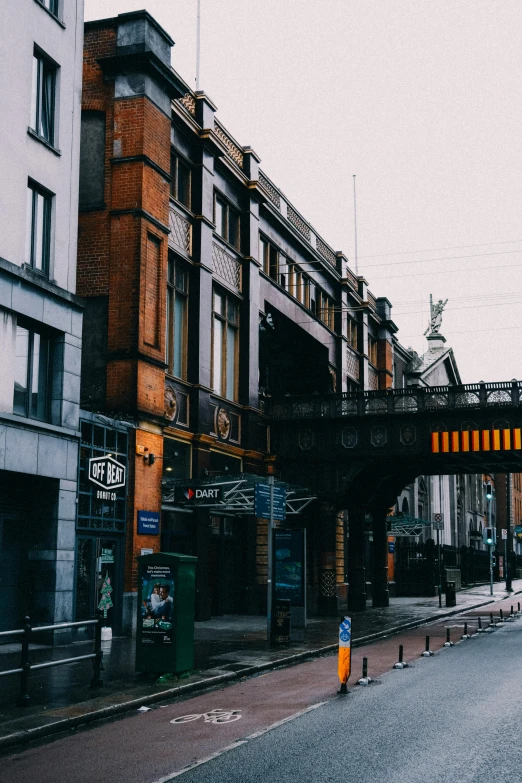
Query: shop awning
x=236, y=491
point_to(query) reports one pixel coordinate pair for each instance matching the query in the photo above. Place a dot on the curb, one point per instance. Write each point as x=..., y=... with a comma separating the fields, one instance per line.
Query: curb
x=29, y=735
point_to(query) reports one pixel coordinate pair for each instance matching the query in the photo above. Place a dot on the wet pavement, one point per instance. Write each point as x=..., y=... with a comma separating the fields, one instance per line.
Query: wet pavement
x=224, y=647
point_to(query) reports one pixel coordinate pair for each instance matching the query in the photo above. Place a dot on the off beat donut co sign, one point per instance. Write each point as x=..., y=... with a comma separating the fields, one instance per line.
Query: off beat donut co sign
x=107, y=473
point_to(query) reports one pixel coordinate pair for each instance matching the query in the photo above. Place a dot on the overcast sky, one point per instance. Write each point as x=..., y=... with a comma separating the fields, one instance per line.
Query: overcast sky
x=421, y=100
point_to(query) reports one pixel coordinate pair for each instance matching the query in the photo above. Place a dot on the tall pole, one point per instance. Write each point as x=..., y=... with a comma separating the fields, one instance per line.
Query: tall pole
x=198, y=42
x=355, y=227
x=440, y=570
x=490, y=549
x=507, y=550
x=270, y=563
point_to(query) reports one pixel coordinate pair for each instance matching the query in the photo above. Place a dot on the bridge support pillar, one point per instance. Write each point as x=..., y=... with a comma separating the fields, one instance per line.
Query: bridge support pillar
x=380, y=591
x=356, y=553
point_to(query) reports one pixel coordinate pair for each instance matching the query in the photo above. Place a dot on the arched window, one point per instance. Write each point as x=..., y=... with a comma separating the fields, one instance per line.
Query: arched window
x=405, y=506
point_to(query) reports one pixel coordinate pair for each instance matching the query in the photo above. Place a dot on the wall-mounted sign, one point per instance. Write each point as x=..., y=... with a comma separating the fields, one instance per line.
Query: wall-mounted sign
x=148, y=523
x=204, y=495
x=107, y=473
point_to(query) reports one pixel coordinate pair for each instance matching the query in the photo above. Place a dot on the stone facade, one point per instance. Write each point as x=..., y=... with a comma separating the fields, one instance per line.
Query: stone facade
x=40, y=316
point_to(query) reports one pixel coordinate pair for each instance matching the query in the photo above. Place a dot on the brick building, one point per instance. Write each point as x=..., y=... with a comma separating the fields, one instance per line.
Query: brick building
x=207, y=294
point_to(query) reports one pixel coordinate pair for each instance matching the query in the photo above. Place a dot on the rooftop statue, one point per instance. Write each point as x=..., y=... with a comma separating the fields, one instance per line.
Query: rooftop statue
x=436, y=311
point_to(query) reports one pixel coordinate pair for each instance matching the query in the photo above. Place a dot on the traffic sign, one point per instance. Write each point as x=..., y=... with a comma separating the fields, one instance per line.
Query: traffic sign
x=262, y=502
x=438, y=521
x=504, y=534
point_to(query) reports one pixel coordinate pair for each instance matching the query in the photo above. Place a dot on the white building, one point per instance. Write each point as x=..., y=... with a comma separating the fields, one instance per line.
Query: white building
x=40, y=317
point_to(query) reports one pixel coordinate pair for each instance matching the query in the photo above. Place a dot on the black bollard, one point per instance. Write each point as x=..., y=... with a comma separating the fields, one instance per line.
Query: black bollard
x=365, y=668
x=400, y=663
x=501, y=616
x=427, y=652
x=448, y=642
x=511, y=612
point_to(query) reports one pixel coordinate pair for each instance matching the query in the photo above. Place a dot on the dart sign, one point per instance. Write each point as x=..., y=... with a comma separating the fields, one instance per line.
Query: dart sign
x=206, y=494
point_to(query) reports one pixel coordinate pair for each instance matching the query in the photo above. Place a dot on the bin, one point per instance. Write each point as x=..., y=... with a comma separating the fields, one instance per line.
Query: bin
x=451, y=594
x=165, y=621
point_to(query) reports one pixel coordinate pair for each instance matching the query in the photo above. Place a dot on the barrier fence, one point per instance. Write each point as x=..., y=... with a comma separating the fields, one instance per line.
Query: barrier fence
x=26, y=667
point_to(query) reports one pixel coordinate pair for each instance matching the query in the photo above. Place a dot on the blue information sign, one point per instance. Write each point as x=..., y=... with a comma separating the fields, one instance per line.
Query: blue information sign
x=262, y=502
x=148, y=523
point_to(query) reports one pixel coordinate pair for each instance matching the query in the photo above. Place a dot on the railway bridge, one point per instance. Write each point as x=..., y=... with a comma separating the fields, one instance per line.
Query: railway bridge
x=359, y=450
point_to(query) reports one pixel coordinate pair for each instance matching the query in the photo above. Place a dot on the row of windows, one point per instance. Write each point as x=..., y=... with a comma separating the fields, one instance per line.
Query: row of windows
x=43, y=124
x=299, y=285
x=225, y=332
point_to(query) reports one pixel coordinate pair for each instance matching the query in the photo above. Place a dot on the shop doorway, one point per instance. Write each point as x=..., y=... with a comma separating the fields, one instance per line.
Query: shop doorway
x=226, y=565
x=96, y=558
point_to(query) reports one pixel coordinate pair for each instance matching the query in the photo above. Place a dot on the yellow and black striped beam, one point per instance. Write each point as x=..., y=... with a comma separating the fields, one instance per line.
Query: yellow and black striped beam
x=476, y=440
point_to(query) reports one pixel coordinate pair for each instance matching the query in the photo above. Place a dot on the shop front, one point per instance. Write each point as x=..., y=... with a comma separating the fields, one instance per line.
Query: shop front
x=101, y=518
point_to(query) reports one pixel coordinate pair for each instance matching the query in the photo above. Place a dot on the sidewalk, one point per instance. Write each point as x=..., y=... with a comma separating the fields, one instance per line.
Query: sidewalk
x=226, y=649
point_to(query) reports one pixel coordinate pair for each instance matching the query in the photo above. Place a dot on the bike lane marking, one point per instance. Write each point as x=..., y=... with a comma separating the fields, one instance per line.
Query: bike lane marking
x=238, y=743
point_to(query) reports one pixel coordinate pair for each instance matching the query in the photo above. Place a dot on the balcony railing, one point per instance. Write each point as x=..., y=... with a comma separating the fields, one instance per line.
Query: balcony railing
x=180, y=232
x=399, y=401
x=226, y=266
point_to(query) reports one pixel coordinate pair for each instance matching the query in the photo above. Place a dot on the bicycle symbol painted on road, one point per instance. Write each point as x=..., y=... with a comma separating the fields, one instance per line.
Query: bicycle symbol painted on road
x=214, y=716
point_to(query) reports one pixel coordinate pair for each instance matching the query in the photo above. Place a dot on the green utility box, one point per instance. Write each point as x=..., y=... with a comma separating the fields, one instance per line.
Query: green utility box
x=165, y=628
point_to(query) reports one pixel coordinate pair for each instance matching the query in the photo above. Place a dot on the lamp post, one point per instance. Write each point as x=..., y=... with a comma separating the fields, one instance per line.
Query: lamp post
x=489, y=496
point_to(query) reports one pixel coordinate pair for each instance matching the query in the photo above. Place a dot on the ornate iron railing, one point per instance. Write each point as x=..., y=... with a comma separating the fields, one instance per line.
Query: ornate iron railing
x=226, y=266
x=180, y=232
x=297, y=221
x=396, y=401
x=352, y=363
x=233, y=149
x=271, y=190
x=373, y=379
x=189, y=103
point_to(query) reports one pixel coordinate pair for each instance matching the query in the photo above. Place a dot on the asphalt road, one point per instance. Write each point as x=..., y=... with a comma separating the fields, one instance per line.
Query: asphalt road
x=454, y=717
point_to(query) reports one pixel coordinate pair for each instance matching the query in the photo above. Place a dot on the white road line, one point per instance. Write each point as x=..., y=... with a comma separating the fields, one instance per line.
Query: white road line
x=237, y=744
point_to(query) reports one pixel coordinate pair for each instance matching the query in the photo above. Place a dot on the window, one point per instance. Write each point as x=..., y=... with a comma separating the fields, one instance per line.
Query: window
x=177, y=307
x=38, y=232
x=298, y=286
x=372, y=350
x=225, y=345
x=227, y=221
x=43, y=97
x=51, y=5
x=32, y=374
x=352, y=333
x=181, y=184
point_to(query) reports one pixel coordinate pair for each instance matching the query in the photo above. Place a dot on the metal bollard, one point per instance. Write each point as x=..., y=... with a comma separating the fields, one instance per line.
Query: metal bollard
x=466, y=635
x=518, y=603
x=400, y=663
x=24, y=697
x=448, y=642
x=96, y=681
x=500, y=619
x=427, y=652
x=365, y=680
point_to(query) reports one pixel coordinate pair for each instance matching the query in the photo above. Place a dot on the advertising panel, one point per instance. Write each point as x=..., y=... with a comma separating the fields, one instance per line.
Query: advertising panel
x=289, y=566
x=157, y=604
